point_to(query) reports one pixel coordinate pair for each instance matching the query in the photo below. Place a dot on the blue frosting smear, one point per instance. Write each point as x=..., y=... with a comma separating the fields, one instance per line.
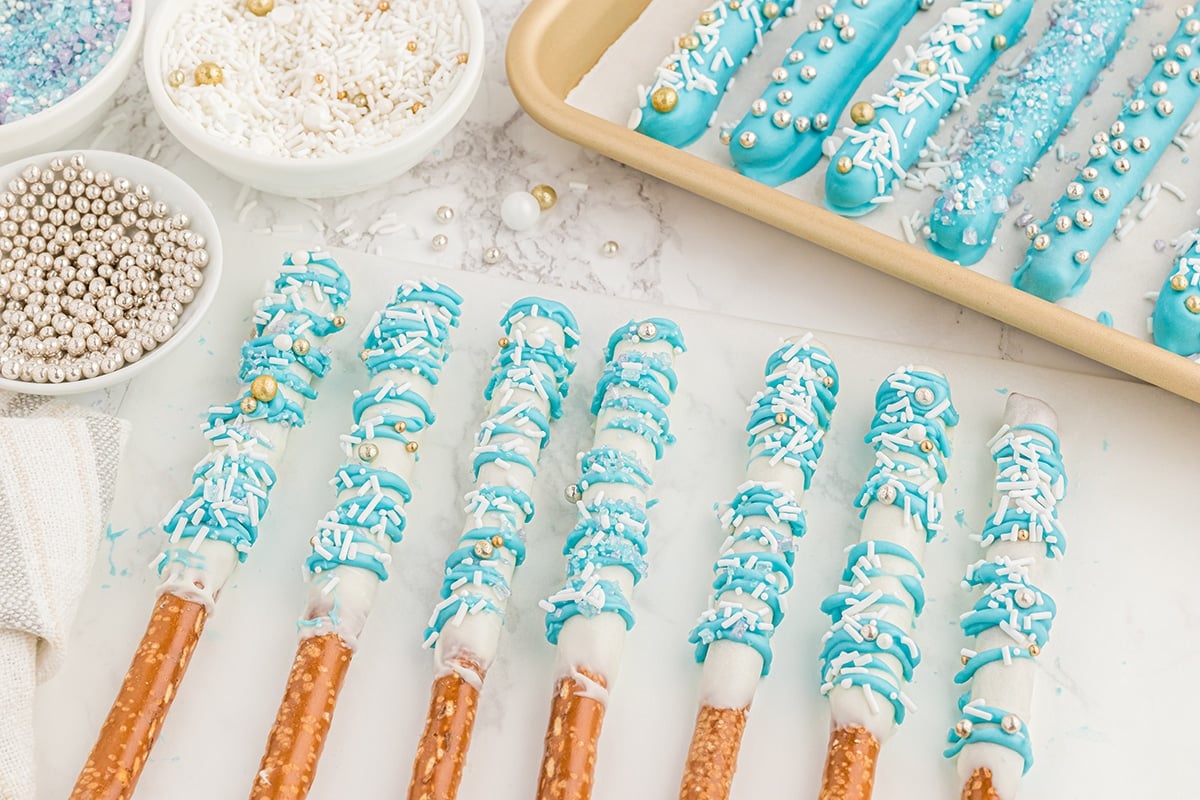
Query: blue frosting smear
x=633, y=392
x=231, y=486
x=1065, y=245
x=986, y=723
x=1024, y=119
x=1030, y=481
x=781, y=136
x=407, y=336
x=764, y=521
x=909, y=434
x=512, y=437
x=930, y=83
x=691, y=81
x=1176, y=326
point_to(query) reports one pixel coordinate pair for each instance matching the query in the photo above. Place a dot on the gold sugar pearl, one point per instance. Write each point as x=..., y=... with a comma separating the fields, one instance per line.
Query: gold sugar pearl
x=359, y=100
x=497, y=541
x=462, y=58
x=209, y=73
x=400, y=427
x=342, y=94
x=770, y=10
x=926, y=446
x=844, y=165
x=504, y=342
x=176, y=78
x=828, y=381
x=1034, y=650
x=545, y=195
x=664, y=99
x=965, y=660
x=927, y=66
x=319, y=78
x=1192, y=304
x=1022, y=534
x=708, y=17
x=364, y=355
x=412, y=46
x=417, y=106
x=338, y=321
x=1179, y=282
x=384, y=5
x=301, y=347
x=249, y=405
x=689, y=41
x=264, y=388
x=260, y=8
x=862, y=113
x=411, y=447
x=999, y=41
x=995, y=9
x=781, y=418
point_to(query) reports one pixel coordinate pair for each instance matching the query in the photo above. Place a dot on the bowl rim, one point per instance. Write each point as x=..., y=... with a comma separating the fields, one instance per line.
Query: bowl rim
x=73, y=104
x=463, y=91
x=199, y=307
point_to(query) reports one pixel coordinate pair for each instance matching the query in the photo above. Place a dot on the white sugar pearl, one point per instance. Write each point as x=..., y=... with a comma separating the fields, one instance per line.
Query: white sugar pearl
x=315, y=117
x=520, y=211
x=282, y=342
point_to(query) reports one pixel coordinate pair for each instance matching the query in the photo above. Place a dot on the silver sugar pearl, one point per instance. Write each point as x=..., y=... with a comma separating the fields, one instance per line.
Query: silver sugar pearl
x=610, y=249
x=444, y=214
x=439, y=242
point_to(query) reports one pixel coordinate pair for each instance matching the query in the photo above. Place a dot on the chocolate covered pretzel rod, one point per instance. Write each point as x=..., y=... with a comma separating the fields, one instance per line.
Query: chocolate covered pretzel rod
x=404, y=348
x=891, y=130
x=1015, y=129
x=781, y=138
x=526, y=391
x=869, y=654
x=213, y=529
x=765, y=521
x=1010, y=623
x=688, y=85
x=587, y=619
x=1063, y=248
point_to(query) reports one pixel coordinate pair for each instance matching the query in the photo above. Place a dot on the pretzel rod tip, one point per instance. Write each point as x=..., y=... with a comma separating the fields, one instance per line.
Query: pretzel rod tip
x=294, y=745
x=572, y=736
x=442, y=751
x=712, y=757
x=849, y=765
x=116, y=761
x=979, y=786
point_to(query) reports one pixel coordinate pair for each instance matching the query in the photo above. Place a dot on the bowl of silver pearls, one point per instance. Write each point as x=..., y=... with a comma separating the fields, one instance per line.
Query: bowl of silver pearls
x=107, y=262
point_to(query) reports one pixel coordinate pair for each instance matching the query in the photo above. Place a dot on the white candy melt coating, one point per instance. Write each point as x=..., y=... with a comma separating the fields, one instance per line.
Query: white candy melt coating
x=1008, y=686
x=731, y=670
x=217, y=559
x=476, y=637
x=269, y=100
x=595, y=643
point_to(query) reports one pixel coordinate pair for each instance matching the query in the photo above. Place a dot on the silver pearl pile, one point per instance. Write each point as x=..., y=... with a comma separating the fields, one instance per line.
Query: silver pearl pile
x=94, y=272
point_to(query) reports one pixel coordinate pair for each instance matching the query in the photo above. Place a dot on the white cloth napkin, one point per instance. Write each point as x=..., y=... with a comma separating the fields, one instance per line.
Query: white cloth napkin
x=58, y=468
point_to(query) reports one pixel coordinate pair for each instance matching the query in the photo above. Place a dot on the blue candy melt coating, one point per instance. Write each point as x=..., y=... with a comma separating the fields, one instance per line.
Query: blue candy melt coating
x=986, y=726
x=1175, y=326
x=700, y=76
x=1143, y=132
x=1023, y=121
x=913, y=410
x=409, y=335
x=962, y=47
x=801, y=385
x=231, y=486
x=774, y=153
x=613, y=532
x=513, y=436
x=1009, y=598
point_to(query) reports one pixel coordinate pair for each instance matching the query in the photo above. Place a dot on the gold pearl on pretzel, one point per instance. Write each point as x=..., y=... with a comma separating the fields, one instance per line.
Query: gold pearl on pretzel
x=411, y=447
x=1179, y=282
x=400, y=427
x=862, y=113
x=249, y=404
x=927, y=66
x=1034, y=650
x=1192, y=304
x=664, y=99
x=689, y=41
x=338, y=321
x=1022, y=534
x=770, y=10
x=497, y=541
x=264, y=388
x=844, y=165
x=995, y=9
x=708, y=17
x=781, y=418
x=926, y=445
x=301, y=347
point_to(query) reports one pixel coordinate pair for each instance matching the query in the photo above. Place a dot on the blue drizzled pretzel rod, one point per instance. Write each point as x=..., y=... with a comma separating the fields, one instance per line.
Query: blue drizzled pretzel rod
x=781, y=136
x=1175, y=323
x=754, y=570
x=1024, y=119
x=1010, y=622
x=213, y=529
x=606, y=551
x=525, y=393
x=681, y=103
x=1064, y=247
x=403, y=349
x=891, y=130
x=869, y=655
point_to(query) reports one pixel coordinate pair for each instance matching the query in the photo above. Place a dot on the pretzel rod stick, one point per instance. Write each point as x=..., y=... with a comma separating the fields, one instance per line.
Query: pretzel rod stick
x=214, y=528
x=869, y=654
x=765, y=520
x=1011, y=619
x=587, y=618
x=404, y=348
x=526, y=391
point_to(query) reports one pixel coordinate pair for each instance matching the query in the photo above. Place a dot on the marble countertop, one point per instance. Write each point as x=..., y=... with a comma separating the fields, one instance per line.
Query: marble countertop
x=675, y=248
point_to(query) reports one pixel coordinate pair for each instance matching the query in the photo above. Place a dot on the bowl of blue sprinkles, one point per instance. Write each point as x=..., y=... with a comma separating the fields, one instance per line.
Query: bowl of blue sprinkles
x=62, y=63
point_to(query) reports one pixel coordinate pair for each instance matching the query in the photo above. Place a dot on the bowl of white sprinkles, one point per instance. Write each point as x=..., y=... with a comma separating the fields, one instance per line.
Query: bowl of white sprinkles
x=107, y=263
x=313, y=98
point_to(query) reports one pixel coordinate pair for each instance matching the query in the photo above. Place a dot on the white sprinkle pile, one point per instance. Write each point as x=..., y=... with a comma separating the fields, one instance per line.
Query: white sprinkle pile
x=315, y=78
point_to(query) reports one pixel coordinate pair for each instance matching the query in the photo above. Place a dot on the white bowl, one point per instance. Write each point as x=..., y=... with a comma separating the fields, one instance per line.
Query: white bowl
x=177, y=194
x=329, y=176
x=74, y=114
